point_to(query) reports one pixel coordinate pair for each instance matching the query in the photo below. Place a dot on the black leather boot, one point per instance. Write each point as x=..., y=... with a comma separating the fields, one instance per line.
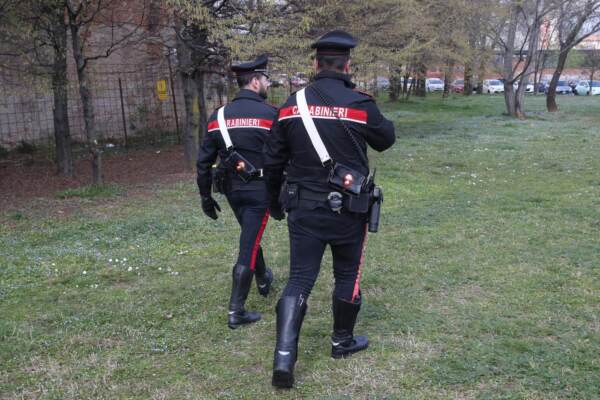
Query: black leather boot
x=263, y=283
x=242, y=280
x=290, y=314
x=343, y=341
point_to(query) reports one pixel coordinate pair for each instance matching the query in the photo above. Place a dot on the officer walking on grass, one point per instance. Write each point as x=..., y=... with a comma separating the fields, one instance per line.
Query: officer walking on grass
x=320, y=140
x=236, y=134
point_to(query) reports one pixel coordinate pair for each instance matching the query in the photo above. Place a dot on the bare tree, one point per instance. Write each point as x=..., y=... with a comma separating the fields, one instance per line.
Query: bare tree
x=36, y=33
x=82, y=15
x=575, y=20
x=517, y=34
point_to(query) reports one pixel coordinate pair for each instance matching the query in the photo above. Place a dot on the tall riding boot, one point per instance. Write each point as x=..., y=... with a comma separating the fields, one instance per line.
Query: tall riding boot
x=343, y=341
x=290, y=314
x=242, y=280
x=263, y=275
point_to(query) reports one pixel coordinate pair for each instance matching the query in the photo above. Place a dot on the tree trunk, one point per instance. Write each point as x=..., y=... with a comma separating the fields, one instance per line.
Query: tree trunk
x=448, y=79
x=551, y=96
x=483, y=59
x=87, y=102
x=62, y=135
x=592, y=72
x=394, y=88
x=509, y=99
x=468, y=79
x=190, y=124
x=199, y=78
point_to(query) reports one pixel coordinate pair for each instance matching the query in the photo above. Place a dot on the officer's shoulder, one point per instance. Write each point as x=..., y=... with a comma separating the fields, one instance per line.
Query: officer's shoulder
x=213, y=114
x=364, y=93
x=271, y=106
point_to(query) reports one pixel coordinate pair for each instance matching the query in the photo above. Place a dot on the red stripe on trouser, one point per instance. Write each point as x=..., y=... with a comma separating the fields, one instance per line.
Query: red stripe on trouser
x=257, y=241
x=356, y=290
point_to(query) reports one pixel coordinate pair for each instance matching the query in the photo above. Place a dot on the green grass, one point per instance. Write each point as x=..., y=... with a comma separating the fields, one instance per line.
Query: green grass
x=90, y=192
x=483, y=282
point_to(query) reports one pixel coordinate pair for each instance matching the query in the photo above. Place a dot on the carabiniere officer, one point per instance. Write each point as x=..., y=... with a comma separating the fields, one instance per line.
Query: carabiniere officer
x=326, y=194
x=238, y=140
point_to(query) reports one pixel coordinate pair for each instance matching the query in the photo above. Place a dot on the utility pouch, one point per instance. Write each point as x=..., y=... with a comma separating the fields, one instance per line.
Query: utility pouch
x=288, y=197
x=241, y=166
x=346, y=179
x=220, y=180
x=358, y=203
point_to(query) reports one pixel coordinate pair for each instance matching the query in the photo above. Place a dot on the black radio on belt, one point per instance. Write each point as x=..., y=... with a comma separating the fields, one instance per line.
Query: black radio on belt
x=241, y=166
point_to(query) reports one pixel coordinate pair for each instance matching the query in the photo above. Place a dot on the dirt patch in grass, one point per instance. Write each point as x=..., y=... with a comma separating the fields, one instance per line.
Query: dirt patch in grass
x=134, y=171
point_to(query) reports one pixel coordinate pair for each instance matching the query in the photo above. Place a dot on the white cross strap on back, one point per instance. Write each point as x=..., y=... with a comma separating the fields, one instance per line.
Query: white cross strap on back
x=223, y=128
x=310, y=127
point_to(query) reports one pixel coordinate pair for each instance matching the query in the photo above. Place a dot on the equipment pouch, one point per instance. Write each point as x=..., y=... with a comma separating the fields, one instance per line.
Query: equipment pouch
x=288, y=197
x=242, y=167
x=346, y=179
x=358, y=203
x=220, y=180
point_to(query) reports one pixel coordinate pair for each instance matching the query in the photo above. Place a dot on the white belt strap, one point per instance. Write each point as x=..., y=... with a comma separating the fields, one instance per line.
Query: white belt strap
x=310, y=127
x=223, y=128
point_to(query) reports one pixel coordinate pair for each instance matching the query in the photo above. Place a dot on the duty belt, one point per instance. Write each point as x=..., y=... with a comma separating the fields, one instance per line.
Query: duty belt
x=305, y=194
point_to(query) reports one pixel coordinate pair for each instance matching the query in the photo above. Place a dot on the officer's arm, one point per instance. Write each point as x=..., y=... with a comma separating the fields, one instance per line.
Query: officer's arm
x=206, y=158
x=276, y=155
x=380, y=134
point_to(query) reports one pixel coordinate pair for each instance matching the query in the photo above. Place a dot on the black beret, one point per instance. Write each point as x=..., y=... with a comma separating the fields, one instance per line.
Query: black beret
x=258, y=65
x=335, y=42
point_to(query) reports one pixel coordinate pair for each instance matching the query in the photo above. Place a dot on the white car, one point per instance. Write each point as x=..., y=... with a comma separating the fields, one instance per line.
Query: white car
x=493, y=86
x=583, y=88
x=528, y=88
x=434, y=85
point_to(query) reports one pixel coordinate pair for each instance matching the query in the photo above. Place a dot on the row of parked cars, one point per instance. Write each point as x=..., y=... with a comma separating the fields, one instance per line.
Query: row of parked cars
x=492, y=86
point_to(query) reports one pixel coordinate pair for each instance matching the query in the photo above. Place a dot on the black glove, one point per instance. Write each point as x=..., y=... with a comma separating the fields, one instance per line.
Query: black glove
x=210, y=207
x=275, y=211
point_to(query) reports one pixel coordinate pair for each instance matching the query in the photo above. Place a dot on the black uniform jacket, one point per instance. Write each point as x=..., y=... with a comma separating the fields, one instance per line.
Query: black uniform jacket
x=248, y=120
x=289, y=145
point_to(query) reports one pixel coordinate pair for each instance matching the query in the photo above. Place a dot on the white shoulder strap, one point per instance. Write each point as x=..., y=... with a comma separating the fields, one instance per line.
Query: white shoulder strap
x=310, y=127
x=223, y=128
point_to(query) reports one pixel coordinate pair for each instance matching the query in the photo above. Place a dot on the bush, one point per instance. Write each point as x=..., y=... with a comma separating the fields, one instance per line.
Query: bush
x=3, y=152
x=25, y=147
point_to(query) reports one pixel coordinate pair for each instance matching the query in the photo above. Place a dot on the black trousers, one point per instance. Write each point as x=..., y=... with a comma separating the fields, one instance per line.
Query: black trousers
x=251, y=211
x=311, y=230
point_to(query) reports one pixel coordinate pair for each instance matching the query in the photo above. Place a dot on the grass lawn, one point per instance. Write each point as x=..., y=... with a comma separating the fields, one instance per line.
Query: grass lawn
x=483, y=283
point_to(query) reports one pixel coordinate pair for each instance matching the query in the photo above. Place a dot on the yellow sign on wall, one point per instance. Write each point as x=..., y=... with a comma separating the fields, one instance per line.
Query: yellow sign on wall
x=161, y=89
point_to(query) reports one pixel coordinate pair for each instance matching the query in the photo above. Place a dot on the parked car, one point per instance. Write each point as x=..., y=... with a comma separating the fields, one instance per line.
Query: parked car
x=434, y=85
x=528, y=88
x=298, y=81
x=562, y=87
x=380, y=83
x=583, y=88
x=542, y=87
x=493, y=86
x=458, y=86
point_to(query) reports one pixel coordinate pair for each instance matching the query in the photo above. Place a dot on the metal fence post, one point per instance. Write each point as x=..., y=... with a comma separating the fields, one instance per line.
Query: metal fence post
x=123, y=112
x=174, y=98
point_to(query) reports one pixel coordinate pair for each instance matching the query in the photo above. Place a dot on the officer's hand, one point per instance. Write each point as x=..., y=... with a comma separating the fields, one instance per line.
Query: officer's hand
x=210, y=207
x=276, y=212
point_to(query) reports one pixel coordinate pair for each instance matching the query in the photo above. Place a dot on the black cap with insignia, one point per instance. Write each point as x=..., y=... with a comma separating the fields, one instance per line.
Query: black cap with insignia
x=258, y=65
x=335, y=42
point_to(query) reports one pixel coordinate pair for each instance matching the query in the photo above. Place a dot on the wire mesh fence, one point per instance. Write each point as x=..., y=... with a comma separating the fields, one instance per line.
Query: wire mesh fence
x=132, y=103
